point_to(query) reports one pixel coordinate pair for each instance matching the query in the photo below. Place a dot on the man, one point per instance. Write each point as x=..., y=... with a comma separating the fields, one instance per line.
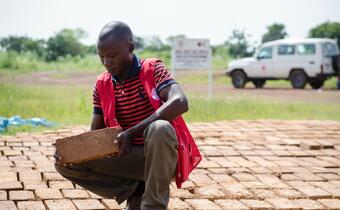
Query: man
x=142, y=98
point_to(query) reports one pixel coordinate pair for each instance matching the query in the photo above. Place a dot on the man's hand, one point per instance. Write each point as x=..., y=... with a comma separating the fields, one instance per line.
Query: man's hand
x=124, y=140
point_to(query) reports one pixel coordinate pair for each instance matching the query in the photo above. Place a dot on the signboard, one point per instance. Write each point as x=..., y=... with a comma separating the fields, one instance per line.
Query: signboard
x=191, y=54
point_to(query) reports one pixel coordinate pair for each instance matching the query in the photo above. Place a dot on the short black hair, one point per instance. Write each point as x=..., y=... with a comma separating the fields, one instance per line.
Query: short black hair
x=115, y=30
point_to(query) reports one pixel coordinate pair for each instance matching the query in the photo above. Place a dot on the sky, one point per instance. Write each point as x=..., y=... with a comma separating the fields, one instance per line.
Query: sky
x=212, y=19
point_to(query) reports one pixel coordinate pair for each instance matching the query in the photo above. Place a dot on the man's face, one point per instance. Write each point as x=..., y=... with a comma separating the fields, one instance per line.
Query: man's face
x=115, y=55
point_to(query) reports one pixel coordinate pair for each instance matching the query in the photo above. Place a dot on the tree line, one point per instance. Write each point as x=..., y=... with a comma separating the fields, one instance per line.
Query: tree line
x=67, y=42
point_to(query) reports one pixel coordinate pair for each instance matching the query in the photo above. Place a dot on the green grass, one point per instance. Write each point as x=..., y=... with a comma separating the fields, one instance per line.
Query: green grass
x=72, y=105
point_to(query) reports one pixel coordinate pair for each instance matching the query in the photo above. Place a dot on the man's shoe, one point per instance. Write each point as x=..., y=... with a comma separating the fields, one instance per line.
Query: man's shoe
x=134, y=202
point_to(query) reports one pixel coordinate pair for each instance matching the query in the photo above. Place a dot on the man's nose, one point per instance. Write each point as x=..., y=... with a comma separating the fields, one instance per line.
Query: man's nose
x=107, y=62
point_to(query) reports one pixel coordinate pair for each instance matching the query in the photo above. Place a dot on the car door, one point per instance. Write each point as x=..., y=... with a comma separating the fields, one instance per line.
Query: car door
x=262, y=67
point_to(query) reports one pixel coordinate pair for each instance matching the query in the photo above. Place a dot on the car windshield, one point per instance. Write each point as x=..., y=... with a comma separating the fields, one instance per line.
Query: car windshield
x=329, y=49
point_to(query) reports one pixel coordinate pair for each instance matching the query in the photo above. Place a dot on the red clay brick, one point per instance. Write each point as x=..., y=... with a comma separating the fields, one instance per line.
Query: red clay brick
x=283, y=204
x=89, y=146
x=257, y=204
x=314, y=192
x=202, y=204
x=61, y=184
x=237, y=191
x=91, y=204
x=73, y=194
x=21, y=195
x=3, y=195
x=60, y=204
x=307, y=204
x=12, y=185
x=31, y=205
x=333, y=204
x=45, y=194
x=7, y=205
x=208, y=193
x=178, y=204
x=112, y=204
x=180, y=193
x=30, y=175
x=231, y=204
x=8, y=176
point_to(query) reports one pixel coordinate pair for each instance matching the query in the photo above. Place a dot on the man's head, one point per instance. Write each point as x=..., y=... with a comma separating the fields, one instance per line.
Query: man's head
x=115, y=47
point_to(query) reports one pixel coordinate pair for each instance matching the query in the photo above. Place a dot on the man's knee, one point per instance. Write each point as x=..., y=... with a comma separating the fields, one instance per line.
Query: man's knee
x=160, y=131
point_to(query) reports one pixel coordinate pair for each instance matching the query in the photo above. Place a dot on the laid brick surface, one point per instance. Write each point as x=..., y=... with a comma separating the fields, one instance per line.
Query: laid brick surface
x=31, y=205
x=257, y=164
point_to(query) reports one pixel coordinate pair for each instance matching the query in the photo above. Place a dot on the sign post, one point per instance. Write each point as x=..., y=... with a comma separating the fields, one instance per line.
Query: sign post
x=192, y=54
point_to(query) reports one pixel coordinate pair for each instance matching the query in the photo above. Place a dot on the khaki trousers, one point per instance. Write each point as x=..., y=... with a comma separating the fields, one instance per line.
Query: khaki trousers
x=118, y=177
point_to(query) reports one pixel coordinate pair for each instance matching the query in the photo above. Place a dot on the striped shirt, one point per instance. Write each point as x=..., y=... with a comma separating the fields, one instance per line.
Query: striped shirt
x=132, y=103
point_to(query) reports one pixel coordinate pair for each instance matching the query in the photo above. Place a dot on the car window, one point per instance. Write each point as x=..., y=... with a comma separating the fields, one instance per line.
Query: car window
x=286, y=50
x=305, y=49
x=329, y=49
x=266, y=52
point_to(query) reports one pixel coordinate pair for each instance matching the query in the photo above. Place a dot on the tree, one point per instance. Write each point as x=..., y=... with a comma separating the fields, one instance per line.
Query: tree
x=238, y=44
x=21, y=44
x=275, y=31
x=66, y=42
x=154, y=43
x=326, y=30
x=170, y=39
x=139, y=42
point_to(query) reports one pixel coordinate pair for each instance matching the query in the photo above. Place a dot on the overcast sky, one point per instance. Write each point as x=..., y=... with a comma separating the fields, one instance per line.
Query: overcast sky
x=213, y=19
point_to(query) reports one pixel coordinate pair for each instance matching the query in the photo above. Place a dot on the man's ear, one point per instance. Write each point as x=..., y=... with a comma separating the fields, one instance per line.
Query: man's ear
x=131, y=47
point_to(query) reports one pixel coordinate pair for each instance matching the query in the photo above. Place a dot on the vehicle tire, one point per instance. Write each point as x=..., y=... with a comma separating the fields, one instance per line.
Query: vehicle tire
x=316, y=83
x=238, y=79
x=298, y=79
x=259, y=83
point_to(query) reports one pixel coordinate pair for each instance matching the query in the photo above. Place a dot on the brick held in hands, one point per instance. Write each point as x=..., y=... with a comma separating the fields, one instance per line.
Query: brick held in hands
x=87, y=146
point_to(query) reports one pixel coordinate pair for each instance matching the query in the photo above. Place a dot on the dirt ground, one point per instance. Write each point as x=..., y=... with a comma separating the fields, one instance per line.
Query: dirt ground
x=329, y=96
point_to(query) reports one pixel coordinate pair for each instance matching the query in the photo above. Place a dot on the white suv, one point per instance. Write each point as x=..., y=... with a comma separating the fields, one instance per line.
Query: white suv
x=298, y=60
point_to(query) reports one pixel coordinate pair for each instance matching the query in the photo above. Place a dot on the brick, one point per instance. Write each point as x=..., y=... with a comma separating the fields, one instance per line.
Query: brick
x=112, y=204
x=255, y=184
x=310, y=145
x=237, y=191
x=222, y=178
x=13, y=185
x=60, y=204
x=202, y=204
x=231, y=204
x=88, y=204
x=8, y=176
x=45, y=194
x=257, y=204
x=307, y=204
x=34, y=185
x=180, y=193
x=73, y=194
x=244, y=177
x=30, y=175
x=201, y=180
x=53, y=176
x=314, y=192
x=3, y=195
x=283, y=204
x=7, y=205
x=21, y=195
x=331, y=203
x=88, y=146
x=61, y=184
x=262, y=193
x=12, y=152
x=288, y=193
x=31, y=205
x=208, y=193
x=178, y=204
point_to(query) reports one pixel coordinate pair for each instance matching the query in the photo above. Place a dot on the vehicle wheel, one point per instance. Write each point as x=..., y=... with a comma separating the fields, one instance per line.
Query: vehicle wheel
x=298, y=79
x=238, y=79
x=259, y=83
x=316, y=83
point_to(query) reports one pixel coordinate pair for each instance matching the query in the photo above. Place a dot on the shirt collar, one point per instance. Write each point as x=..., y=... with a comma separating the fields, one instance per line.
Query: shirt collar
x=134, y=70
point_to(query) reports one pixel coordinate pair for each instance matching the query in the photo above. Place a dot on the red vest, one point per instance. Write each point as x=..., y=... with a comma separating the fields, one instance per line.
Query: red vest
x=188, y=153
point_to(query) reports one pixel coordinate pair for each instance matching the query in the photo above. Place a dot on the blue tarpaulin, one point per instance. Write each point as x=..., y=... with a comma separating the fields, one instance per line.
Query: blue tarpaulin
x=17, y=121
